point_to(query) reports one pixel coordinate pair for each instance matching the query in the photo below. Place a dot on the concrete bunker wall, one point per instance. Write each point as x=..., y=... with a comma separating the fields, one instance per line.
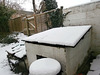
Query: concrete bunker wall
x=86, y=14
x=69, y=57
x=46, y=51
x=76, y=55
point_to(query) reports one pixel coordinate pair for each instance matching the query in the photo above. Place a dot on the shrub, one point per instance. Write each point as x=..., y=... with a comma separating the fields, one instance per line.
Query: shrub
x=5, y=14
x=8, y=40
x=56, y=17
x=50, y=4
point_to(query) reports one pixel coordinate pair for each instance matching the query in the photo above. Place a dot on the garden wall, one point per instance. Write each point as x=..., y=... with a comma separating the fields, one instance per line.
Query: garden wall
x=86, y=14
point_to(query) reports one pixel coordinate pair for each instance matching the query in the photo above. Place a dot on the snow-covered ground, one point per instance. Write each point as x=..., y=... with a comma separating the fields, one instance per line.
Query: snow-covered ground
x=95, y=67
x=4, y=66
x=5, y=69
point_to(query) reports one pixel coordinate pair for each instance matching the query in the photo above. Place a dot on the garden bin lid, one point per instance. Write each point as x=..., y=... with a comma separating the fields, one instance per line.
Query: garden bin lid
x=45, y=66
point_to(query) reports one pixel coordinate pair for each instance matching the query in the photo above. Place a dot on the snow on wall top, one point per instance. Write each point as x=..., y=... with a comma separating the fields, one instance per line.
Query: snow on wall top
x=66, y=36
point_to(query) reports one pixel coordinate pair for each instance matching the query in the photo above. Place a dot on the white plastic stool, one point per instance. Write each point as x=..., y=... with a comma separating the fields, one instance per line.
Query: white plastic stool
x=45, y=66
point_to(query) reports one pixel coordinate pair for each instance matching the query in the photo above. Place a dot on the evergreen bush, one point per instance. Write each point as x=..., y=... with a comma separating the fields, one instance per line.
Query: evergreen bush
x=8, y=39
x=50, y=4
x=56, y=17
x=5, y=13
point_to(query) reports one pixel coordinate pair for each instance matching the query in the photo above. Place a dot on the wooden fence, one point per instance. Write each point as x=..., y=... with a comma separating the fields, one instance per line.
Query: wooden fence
x=31, y=24
x=15, y=24
x=28, y=25
x=42, y=20
x=22, y=24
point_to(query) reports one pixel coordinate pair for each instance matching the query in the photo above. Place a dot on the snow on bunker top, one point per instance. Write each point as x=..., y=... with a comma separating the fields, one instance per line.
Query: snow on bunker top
x=65, y=36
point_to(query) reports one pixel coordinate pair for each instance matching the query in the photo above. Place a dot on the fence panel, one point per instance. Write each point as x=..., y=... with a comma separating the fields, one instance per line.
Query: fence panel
x=15, y=24
x=31, y=24
x=43, y=22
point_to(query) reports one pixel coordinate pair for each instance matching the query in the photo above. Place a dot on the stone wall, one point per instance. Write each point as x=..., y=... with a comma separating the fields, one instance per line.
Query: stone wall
x=86, y=14
x=95, y=0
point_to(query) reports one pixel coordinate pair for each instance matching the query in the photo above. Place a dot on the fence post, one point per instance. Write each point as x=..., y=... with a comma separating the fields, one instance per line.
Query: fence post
x=61, y=12
x=28, y=31
x=35, y=23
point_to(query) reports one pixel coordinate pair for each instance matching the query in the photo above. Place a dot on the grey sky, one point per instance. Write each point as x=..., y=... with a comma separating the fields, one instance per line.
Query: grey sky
x=66, y=3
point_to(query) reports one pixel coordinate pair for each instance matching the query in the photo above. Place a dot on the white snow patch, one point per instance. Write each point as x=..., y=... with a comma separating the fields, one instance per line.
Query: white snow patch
x=4, y=66
x=30, y=18
x=20, y=37
x=13, y=61
x=45, y=66
x=19, y=50
x=94, y=72
x=67, y=36
x=21, y=53
x=95, y=67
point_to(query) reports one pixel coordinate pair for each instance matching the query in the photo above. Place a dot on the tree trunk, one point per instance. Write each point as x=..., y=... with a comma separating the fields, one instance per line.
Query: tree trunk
x=4, y=2
x=34, y=8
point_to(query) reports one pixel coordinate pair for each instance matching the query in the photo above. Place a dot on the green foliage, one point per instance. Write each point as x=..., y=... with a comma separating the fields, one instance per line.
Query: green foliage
x=5, y=14
x=3, y=35
x=56, y=17
x=50, y=4
x=8, y=40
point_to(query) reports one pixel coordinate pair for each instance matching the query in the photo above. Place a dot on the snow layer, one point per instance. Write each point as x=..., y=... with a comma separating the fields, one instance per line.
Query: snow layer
x=21, y=53
x=97, y=72
x=95, y=67
x=68, y=36
x=13, y=61
x=45, y=66
x=4, y=66
x=18, y=50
